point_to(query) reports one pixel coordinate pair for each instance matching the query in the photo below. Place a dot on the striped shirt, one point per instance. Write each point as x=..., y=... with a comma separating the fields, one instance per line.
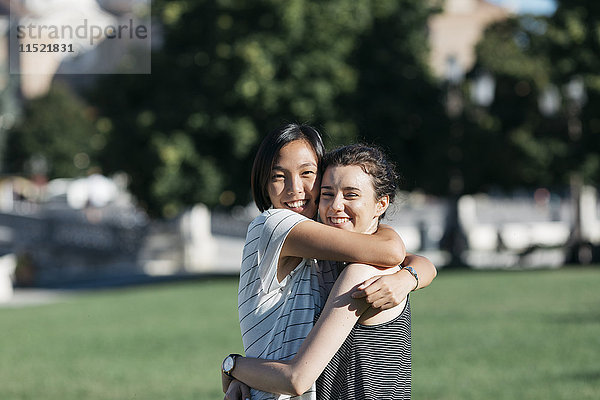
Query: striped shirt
x=275, y=317
x=374, y=363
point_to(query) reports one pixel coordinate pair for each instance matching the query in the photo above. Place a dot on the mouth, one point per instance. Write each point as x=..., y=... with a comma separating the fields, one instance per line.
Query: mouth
x=296, y=205
x=338, y=221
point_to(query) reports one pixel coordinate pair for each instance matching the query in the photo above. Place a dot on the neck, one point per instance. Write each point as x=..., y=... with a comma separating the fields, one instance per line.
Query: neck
x=373, y=226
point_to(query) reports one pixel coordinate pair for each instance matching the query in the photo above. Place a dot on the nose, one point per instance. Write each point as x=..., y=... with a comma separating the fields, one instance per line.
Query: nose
x=295, y=184
x=337, y=204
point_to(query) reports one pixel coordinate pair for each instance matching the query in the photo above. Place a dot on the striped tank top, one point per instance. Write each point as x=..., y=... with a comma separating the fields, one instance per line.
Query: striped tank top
x=373, y=363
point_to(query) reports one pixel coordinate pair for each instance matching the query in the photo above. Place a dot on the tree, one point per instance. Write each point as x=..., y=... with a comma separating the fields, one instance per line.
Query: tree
x=532, y=57
x=56, y=137
x=397, y=102
x=227, y=73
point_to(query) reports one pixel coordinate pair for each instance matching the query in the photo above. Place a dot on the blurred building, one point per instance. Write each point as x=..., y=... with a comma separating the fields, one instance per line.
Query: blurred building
x=454, y=33
x=82, y=230
x=33, y=72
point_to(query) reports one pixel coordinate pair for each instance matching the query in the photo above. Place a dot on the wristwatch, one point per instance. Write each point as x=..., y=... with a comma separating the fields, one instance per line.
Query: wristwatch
x=413, y=273
x=229, y=364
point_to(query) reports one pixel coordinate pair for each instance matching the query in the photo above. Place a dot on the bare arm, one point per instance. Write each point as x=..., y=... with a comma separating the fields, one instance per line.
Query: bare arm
x=296, y=376
x=424, y=268
x=310, y=239
x=387, y=291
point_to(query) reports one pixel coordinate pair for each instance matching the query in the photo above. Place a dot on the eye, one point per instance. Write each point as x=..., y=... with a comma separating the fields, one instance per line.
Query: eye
x=277, y=176
x=308, y=173
x=351, y=195
x=326, y=194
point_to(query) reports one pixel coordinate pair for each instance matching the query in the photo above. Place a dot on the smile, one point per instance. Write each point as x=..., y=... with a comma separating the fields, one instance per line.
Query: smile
x=297, y=203
x=339, y=220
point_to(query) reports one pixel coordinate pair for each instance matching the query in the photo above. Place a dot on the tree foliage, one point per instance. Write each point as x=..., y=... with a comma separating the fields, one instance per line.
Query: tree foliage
x=230, y=71
x=56, y=137
x=225, y=72
x=529, y=58
x=397, y=103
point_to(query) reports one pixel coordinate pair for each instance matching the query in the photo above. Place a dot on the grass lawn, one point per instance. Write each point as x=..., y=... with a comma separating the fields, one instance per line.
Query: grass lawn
x=476, y=335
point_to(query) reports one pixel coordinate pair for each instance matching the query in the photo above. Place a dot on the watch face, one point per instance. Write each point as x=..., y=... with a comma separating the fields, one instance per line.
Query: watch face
x=228, y=364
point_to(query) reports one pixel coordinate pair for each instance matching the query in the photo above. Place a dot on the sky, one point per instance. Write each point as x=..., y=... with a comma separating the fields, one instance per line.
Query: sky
x=543, y=7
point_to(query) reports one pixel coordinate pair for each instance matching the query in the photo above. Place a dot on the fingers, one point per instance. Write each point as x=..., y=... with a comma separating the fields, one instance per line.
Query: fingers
x=377, y=303
x=369, y=295
x=225, y=382
x=235, y=391
x=228, y=392
x=245, y=392
x=381, y=292
x=380, y=297
x=368, y=282
x=232, y=395
x=372, y=293
x=367, y=288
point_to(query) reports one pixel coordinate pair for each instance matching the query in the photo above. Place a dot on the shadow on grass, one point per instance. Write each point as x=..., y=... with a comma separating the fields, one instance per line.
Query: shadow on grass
x=579, y=317
x=582, y=376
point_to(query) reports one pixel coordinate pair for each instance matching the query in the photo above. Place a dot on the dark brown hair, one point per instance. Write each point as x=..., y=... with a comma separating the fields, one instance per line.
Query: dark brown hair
x=373, y=162
x=268, y=151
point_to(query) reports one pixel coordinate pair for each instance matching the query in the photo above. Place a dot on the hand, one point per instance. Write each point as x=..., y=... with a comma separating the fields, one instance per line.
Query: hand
x=386, y=291
x=237, y=391
x=225, y=381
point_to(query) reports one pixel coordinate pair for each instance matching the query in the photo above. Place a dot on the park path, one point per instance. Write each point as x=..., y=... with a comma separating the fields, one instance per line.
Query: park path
x=34, y=297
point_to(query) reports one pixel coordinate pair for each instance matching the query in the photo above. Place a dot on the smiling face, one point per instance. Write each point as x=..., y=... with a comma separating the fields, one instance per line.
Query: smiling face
x=348, y=199
x=294, y=180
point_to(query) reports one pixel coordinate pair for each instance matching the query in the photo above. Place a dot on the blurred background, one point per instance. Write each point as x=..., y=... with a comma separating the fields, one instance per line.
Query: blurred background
x=486, y=106
x=139, y=173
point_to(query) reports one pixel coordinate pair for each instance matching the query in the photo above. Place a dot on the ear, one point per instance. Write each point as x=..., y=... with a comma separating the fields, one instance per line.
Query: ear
x=382, y=205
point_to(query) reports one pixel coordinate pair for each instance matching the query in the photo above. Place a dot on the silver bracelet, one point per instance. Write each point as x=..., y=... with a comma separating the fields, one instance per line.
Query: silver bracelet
x=413, y=273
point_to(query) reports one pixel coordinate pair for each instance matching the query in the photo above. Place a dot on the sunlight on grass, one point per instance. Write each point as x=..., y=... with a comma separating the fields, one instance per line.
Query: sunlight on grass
x=476, y=335
x=508, y=335
x=154, y=342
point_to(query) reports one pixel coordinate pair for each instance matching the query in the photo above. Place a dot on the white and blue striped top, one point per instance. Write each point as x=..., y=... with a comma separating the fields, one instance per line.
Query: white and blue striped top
x=275, y=317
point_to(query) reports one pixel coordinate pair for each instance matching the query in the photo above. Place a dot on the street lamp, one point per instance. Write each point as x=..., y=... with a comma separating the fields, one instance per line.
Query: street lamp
x=453, y=239
x=549, y=100
x=549, y=104
x=454, y=75
x=483, y=89
x=576, y=99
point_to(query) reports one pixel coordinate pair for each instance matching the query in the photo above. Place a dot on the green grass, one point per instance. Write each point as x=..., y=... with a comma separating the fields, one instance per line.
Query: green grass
x=508, y=335
x=476, y=335
x=153, y=342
